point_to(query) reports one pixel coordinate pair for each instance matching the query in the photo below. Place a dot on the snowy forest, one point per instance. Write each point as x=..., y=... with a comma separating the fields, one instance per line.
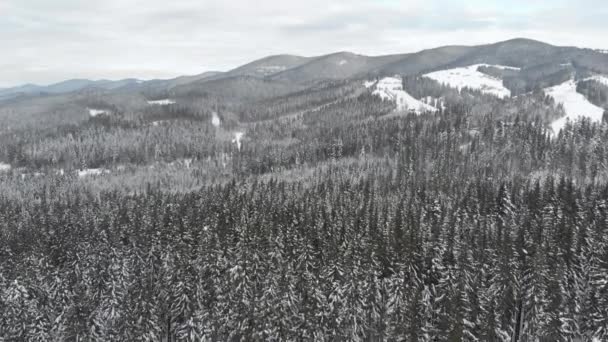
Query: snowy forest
x=251, y=210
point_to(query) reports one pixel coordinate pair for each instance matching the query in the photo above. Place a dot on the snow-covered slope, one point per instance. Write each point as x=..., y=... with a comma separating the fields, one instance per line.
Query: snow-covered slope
x=469, y=77
x=575, y=105
x=391, y=88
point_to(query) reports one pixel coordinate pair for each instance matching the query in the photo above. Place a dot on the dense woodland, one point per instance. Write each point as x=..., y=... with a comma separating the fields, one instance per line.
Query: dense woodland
x=336, y=220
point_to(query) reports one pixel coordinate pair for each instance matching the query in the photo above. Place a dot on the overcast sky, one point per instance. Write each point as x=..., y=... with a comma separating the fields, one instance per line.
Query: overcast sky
x=46, y=41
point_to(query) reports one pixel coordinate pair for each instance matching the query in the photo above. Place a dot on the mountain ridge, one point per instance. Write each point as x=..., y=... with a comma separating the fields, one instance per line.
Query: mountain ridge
x=519, y=52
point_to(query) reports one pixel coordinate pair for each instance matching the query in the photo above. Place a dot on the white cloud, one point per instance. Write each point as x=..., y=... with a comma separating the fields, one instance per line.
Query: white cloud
x=48, y=41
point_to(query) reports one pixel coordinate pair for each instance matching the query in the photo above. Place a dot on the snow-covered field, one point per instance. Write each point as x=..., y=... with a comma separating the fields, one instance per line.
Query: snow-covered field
x=469, y=77
x=163, y=102
x=238, y=136
x=92, y=172
x=575, y=105
x=215, y=120
x=391, y=88
x=95, y=112
x=4, y=167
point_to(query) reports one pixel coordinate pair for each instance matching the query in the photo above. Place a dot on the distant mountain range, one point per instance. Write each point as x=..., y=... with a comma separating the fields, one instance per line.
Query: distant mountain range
x=66, y=87
x=522, y=53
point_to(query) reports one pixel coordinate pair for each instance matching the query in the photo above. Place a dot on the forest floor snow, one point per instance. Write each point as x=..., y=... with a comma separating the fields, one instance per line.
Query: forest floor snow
x=215, y=120
x=92, y=172
x=96, y=112
x=238, y=136
x=163, y=102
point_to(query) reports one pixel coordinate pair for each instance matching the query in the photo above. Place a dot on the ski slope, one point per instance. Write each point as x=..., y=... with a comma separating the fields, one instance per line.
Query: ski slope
x=469, y=77
x=575, y=105
x=391, y=88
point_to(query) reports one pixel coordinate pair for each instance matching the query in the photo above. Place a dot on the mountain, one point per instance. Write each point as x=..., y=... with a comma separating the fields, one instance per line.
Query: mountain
x=269, y=66
x=236, y=89
x=339, y=65
x=426, y=60
x=189, y=79
x=539, y=61
x=66, y=87
x=520, y=52
x=7, y=93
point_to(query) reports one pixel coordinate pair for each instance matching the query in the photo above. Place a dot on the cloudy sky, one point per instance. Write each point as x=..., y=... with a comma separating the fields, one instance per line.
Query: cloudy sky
x=47, y=41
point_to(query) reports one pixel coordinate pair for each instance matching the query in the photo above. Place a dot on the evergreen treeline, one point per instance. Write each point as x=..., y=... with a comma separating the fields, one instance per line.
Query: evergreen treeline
x=386, y=257
x=594, y=91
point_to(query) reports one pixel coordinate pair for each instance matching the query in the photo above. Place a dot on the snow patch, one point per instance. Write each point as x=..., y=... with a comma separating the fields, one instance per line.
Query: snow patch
x=238, y=136
x=599, y=78
x=160, y=123
x=369, y=84
x=343, y=62
x=163, y=102
x=434, y=102
x=4, y=167
x=391, y=88
x=271, y=69
x=92, y=172
x=182, y=162
x=215, y=120
x=25, y=176
x=469, y=77
x=96, y=112
x=575, y=105
x=497, y=66
x=602, y=51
